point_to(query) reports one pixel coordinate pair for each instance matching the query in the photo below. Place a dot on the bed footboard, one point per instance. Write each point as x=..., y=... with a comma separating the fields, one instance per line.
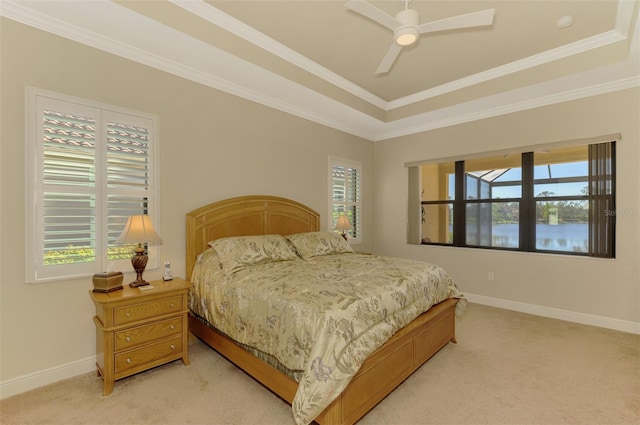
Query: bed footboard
x=392, y=363
x=379, y=375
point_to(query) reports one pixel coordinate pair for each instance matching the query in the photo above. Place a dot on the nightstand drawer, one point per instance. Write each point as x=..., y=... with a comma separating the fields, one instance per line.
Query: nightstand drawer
x=142, y=356
x=142, y=311
x=142, y=334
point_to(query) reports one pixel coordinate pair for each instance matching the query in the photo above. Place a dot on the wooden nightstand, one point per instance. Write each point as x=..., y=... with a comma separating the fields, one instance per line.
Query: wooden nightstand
x=137, y=330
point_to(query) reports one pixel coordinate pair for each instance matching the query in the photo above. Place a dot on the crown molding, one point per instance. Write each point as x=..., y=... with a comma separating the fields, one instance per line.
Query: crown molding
x=192, y=59
x=511, y=68
x=502, y=104
x=108, y=26
x=219, y=18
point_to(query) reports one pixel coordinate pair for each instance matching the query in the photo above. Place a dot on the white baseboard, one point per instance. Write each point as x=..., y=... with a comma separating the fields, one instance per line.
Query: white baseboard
x=556, y=313
x=38, y=379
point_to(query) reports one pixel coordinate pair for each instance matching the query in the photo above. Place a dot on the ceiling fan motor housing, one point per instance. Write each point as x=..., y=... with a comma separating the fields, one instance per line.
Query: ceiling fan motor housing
x=408, y=33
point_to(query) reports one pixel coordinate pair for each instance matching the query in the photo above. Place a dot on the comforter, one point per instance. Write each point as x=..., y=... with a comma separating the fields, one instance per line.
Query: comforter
x=323, y=316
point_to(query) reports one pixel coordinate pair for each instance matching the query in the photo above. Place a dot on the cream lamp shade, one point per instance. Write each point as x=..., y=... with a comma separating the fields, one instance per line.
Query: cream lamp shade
x=344, y=225
x=139, y=229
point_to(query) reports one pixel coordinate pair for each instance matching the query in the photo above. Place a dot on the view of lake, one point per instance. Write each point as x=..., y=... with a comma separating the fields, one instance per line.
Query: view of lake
x=572, y=237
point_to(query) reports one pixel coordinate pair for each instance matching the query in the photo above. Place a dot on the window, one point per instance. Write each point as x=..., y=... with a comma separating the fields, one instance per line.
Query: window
x=561, y=199
x=493, y=194
x=344, y=195
x=557, y=201
x=437, y=195
x=89, y=166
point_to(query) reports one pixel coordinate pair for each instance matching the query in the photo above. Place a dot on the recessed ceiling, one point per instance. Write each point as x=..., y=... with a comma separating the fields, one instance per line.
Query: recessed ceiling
x=352, y=46
x=317, y=59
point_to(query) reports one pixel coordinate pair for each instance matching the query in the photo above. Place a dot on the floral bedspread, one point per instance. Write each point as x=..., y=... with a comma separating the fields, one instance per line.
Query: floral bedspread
x=323, y=316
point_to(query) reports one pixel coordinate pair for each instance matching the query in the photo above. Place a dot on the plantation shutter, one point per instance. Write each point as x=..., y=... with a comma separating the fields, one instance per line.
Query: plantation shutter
x=128, y=176
x=90, y=168
x=68, y=185
x=345, y=195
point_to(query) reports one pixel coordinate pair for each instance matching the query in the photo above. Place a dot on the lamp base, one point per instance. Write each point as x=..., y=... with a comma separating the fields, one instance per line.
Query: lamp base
x=139, y=262
x=137, y=283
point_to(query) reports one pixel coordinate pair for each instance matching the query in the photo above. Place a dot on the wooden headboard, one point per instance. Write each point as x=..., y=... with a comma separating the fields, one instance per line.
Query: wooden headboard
x=245, y=215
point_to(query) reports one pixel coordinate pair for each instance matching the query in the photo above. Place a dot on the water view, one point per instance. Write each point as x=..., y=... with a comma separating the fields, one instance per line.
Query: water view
x=572, y=237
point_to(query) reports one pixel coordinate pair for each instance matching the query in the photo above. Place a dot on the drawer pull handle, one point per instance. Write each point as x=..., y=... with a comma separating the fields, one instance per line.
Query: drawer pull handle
x=128, y=314
x=173, y=347
x=129, y=361
x=172, y=304
x=173, y=327
x=128, y=339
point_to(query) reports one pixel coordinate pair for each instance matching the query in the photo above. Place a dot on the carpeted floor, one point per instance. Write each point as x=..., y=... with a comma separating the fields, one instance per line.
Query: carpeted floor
x=507, y=368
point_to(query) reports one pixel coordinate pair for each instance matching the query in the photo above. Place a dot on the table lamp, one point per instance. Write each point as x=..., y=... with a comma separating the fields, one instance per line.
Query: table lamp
x=139, y=230
x=344, y=225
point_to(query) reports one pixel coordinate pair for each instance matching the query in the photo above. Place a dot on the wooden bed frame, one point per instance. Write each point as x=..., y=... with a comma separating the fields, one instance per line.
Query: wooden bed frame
x=379, y=375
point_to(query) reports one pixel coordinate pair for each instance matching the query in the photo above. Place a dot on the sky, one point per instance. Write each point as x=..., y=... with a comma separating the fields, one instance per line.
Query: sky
x=570, y=169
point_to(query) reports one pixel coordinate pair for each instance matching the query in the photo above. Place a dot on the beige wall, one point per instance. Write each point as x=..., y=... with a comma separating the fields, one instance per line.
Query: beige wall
x=213, y=146
x=609, y=289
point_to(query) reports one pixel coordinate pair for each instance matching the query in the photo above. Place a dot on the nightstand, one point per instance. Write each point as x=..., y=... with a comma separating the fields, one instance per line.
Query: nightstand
x=137, y=329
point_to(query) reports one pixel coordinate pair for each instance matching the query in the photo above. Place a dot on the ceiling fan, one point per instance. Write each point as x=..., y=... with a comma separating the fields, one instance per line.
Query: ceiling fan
x=406, y=26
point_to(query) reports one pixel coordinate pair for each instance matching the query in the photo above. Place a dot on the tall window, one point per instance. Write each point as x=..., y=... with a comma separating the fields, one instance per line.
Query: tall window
x=492, y=196
x=561, y=199
x=344, y=195
x=89, y=166
x=557, y=201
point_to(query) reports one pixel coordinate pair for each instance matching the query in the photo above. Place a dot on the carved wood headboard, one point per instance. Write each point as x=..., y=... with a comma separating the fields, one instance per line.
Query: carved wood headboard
x=245, y=215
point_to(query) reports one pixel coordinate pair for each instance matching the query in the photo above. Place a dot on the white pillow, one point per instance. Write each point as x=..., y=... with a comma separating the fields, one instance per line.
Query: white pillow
x=238, y=252
x=315, y=244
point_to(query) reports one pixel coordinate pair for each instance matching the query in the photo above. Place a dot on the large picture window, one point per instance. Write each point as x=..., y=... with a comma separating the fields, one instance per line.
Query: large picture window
x=553, y=201
x=89, y=167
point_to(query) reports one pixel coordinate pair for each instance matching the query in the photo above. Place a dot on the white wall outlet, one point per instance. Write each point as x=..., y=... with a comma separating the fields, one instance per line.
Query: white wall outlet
x=490, y=276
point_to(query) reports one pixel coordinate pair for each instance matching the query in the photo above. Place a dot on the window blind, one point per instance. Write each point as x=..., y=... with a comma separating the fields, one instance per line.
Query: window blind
x=90, y=166
x=69, y=180
x=346, y=195
x=128, y=179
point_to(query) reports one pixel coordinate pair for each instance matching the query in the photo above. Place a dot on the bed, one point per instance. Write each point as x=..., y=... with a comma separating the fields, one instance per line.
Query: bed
x=364, y=372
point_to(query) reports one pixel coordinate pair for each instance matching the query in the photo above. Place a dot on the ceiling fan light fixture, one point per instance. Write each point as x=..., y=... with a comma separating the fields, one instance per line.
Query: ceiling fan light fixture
x=406, y=36
x=406, y=26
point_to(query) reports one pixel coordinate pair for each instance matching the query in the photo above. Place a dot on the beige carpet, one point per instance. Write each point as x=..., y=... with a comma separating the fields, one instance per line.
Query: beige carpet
x=507, y=368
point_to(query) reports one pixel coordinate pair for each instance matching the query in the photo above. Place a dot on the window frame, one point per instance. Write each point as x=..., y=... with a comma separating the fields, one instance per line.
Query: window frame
x=35, y=270
x=527, y=211
x=346, y=163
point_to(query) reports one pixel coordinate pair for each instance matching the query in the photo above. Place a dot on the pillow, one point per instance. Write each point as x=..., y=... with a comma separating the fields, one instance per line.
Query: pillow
x=238, y=252
x=315, y=244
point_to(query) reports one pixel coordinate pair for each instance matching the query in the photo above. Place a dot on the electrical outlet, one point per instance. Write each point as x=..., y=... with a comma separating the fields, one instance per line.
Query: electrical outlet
x=490, y=276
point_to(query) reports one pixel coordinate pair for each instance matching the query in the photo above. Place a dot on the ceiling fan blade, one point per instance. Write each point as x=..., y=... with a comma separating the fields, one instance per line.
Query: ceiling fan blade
x=373, y=13
x=389, y=59
x=474, y=19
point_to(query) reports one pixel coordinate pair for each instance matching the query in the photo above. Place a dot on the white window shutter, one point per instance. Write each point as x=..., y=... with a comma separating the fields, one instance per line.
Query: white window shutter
x=88, y=169
x=345, y=195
